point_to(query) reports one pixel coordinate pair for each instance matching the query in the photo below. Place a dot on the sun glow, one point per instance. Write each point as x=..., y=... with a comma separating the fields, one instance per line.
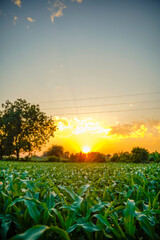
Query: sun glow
x=86, y=149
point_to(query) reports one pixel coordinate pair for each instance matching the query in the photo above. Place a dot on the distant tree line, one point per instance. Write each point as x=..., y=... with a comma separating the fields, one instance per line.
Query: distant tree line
x=56, y=153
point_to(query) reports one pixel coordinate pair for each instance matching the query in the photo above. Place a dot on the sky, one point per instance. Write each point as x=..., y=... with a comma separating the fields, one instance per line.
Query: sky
x=93, y=65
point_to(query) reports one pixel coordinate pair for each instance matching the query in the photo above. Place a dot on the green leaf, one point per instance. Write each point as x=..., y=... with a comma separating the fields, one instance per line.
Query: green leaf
x=96, y=208
x=117, y=225
x=83, y=189
x=102, y=220
x=70, y=191
x=88, y=226
x=129, y=214
x=146, y=226
x=75, y=206
x=32, y=233
x=155, y=201
x=4, y=228
x=59, y=217
x=61, y=232
x=32, y=209
x=50, y=201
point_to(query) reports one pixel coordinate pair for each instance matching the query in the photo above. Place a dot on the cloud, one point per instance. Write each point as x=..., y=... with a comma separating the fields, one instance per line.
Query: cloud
x=17, y=2
x=0, y=12
x=87, y=126
x=123, y=130
x=77, y=126
x=136, y=129
x=30, y=19
x=56, y=9
x=15, y=19
x=79, y=1
x=62, y=123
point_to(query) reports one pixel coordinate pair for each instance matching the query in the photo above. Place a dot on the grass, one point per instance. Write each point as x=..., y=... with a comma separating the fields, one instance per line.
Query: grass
x=79, y=201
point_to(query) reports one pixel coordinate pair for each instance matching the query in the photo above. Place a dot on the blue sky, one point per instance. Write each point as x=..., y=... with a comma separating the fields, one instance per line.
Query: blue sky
x=54, y=50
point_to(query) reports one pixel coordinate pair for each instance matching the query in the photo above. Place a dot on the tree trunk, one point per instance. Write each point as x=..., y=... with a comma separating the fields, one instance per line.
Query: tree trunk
x=17, y=154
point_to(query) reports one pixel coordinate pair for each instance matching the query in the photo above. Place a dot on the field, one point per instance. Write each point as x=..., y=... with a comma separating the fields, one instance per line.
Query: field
x=79, y=201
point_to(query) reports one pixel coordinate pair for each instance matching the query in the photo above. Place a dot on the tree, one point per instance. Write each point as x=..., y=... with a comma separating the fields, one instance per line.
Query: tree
x=139, y=155
x=66, y=154
x=124, y=157
x=54, y=150
x=115, y=157
x=24, y=128
x=95, y=157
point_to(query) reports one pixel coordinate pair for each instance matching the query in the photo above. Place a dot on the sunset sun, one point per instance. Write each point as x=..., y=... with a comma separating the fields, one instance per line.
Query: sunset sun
x=86, y=149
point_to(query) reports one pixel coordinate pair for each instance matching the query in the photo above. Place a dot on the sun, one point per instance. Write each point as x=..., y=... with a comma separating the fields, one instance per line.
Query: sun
x=86, y=149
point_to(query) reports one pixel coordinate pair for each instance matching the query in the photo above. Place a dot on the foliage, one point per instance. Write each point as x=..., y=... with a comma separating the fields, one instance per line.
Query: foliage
x=53, y=159
x=155, y=157
x=55, y=150
x=23, y=128
x=79, y=201
x=115, y=157
x=87, y=157
x=121, y=157
x=96, y=157
x=124, y=157
x=139, y=155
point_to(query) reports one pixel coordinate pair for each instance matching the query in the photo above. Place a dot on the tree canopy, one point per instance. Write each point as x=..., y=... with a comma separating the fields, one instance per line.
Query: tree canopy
x=54, y=150
x=23, y=128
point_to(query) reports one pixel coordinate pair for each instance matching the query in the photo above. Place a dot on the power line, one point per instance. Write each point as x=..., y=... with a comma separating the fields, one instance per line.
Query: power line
x=113, y=96
x=102, y=105
x=127, y=110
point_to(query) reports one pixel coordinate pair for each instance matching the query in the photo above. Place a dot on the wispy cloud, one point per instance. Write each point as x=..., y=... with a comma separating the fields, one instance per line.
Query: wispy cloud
x=79, y=1
x=30, y=19
x=15, y=19
x=56, y=9
x=17, y=2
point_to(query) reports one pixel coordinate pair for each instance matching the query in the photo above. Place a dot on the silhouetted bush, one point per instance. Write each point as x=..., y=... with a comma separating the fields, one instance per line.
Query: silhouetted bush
x=154, y=157
x=115, y=157
x=54, y=159
x=124, y=157
x=87, y=157
x=95, y=157
x=139, y=155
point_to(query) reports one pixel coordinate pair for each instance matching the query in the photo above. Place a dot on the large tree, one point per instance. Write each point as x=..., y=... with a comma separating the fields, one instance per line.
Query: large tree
x=24, y=128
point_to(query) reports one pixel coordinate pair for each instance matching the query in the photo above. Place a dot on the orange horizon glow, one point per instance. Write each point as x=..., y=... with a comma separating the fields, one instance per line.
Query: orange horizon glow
x=75, y=133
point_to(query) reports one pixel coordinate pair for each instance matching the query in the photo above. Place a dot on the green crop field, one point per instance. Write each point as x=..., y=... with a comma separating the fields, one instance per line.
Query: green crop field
x=79, y=201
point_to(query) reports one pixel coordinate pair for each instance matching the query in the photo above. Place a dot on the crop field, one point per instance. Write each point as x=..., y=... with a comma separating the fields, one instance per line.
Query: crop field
x=79, y=201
